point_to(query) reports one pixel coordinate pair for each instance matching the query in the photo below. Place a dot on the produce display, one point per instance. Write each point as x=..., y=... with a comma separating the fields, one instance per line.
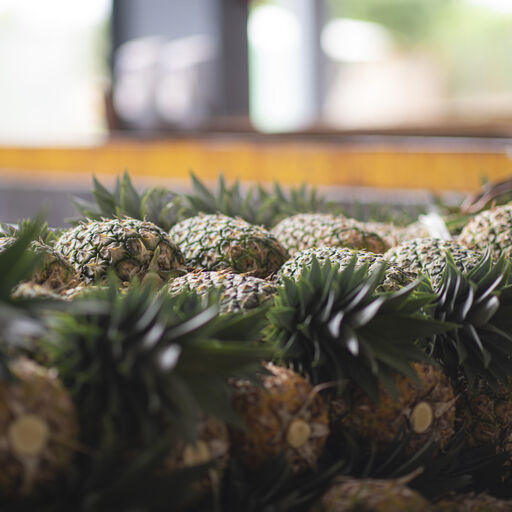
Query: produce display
x=256, y=350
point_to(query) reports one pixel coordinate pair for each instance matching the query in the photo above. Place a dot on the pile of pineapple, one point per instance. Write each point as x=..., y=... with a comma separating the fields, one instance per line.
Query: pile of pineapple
x=253, y=351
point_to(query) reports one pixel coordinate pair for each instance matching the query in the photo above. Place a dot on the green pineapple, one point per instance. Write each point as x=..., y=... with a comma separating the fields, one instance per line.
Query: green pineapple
x=237, y=292
x=370, y=495
x=309, y=230
x=216, y=242
x=394, y=278
x=490, y=229
x=335, y=328
x=427, y=256
x=131, y=248
x=282, y=416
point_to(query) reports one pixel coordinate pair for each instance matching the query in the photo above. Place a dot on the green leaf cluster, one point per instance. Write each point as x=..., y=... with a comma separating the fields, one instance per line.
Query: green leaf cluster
x=480, y=304
x=334, y=326
x=138, y=363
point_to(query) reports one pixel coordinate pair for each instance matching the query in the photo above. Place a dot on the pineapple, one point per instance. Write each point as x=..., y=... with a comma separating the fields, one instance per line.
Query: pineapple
x=309, y=230
x=38, y=428
x=370, y=495
x=237, y=292
x=490, y=229
x=428, y=256
x=283, y=416
x=472, y=502
x=486, y=415
x=132, y=248
x=216, y=242
x=423, y=411
x=394, y=235
x=395, y=278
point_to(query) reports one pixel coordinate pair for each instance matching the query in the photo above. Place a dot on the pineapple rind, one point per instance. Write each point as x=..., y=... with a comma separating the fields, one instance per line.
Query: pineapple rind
x=217, y=242
x=269, y=410
x=428, y=256
x=490, y=229
x=394, y=279
x=308, y=230
x=238, y=292
x=130, y=247
x=381, y=422
x=486, y=416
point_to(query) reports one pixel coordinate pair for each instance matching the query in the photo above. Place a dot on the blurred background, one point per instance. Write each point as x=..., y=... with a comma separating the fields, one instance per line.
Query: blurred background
x=107, y=85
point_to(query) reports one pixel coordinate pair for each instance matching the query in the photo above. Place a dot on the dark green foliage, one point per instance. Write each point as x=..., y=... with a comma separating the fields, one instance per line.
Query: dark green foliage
x=111, y=480
x=333, y=326
x=135, y=361
x=17, y=319
x=480, y=303
x=41, y=230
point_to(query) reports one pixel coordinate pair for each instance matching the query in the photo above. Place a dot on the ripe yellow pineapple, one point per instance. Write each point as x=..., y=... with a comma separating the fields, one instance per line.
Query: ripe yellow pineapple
x=424, y=411
x=285, y=416
x=38, y=428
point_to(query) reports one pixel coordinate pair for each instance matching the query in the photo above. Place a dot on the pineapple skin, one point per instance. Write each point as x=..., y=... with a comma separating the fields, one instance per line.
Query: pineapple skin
x=473, y=503
x=395, y=235
x=132, y=248
x=490, y=229
x=370, y=495
x=269, y=411
x=486, y=416
x=238, y=292
x=381, y=422
x=427, y=255
x=309, y=230
x=37, y=391
x=395, y=278
x=217, y=242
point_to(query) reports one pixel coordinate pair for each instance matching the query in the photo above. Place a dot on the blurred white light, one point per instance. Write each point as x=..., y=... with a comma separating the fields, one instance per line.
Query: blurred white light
x=495, y=5
x=347, y=40
x=273, y=28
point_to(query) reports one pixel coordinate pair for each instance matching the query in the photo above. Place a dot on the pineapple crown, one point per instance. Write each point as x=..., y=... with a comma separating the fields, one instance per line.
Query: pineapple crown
x=165, y=208
x=479, y=304
x=134, y=360
x=332, y=325
x=156, y=204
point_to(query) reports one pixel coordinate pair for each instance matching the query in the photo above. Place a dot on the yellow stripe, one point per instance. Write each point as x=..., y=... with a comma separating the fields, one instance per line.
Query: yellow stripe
x=289, y=161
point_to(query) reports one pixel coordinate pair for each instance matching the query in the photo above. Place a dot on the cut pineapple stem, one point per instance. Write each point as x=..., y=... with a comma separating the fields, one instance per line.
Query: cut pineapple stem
x=422, y=417
x=28, y=435
x=196, y=454
x=298, y=433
